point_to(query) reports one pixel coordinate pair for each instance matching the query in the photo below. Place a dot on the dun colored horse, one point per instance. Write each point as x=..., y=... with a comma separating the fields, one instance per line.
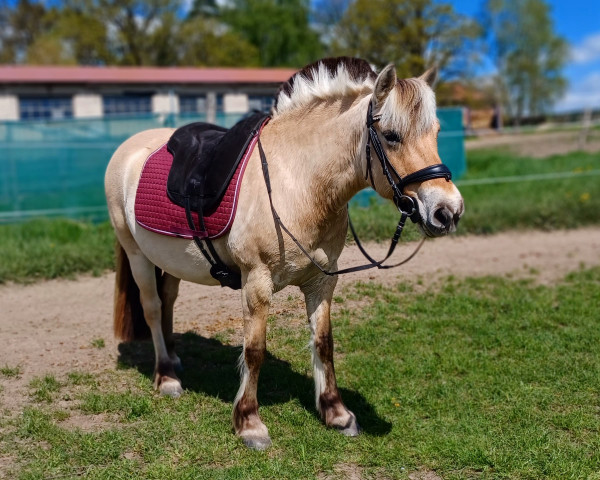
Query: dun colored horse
x=316, y=144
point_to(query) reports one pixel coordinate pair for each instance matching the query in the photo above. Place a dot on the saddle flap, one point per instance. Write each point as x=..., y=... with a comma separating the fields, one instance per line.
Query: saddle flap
x=205, y=157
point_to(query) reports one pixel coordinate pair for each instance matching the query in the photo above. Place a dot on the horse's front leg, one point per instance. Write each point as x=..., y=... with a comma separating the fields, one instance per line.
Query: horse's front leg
x=256, y=296
x=334, y=413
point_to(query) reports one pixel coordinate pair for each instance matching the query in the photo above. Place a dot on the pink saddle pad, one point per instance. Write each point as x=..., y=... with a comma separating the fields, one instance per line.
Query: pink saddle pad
x=155, y=212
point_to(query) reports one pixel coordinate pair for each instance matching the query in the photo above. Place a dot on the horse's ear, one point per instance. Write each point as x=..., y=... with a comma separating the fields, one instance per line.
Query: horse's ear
x=384, y=84
x=430, y=76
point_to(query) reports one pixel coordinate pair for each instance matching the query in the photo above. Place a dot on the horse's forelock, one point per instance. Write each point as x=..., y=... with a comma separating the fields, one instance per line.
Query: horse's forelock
x=323, y=79
x=410, y=108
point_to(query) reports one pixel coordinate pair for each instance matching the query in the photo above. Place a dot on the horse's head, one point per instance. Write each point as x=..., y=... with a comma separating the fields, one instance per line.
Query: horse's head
x=406, y=124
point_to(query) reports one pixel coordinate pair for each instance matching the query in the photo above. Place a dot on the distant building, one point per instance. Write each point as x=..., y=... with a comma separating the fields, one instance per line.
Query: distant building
x=42, y=92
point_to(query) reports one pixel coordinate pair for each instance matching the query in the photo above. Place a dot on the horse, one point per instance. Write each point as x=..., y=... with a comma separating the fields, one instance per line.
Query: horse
x=317, y=146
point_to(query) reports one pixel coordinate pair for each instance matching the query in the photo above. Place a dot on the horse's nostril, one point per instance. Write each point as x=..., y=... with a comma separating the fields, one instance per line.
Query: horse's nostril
x=443, y=216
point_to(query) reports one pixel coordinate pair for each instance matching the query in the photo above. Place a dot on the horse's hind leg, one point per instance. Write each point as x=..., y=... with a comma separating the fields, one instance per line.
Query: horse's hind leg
x=256, y=297
x=327, y=397
x=168, y=290
x=143, y=272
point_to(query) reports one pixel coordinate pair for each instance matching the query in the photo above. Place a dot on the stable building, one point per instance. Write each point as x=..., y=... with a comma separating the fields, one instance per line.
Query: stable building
x=62, y=92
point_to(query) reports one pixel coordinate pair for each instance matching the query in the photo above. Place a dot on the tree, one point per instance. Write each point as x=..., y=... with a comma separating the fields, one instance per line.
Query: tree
x=136, y=32
x=75, y=38
x=206, y=42
x=20, y=26
x=412, y=34
x=279, y=29
x=528, y=54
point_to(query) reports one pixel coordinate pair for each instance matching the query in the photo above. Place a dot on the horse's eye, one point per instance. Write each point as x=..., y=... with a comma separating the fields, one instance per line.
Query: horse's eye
x=392, y=137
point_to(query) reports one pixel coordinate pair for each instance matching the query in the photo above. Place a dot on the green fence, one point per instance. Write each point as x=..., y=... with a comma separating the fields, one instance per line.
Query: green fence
x=57, y=168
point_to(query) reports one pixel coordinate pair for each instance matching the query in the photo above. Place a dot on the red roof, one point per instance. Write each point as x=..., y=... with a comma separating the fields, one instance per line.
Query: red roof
x=44, y=74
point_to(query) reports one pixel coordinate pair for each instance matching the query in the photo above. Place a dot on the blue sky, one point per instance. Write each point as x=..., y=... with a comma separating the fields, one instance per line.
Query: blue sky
x=578, y=21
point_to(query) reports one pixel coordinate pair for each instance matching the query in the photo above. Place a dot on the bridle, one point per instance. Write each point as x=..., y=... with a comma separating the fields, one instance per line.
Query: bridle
x=406, y=205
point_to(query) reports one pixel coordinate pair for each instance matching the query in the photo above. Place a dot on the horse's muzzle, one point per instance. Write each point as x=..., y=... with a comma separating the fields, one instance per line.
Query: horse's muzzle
x=443, y=220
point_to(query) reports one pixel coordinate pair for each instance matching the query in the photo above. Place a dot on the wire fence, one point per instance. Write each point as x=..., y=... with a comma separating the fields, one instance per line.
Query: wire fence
x=56, y=168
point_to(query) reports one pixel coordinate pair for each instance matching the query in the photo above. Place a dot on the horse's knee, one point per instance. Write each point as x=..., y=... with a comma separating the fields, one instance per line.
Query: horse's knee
x=254, y=356
x=323, y=344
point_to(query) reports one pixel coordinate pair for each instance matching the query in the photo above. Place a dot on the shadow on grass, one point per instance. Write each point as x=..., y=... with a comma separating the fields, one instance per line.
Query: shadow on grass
x=209, y=367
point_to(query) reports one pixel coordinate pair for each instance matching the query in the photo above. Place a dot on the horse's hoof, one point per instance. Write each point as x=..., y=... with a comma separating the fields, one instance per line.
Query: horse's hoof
x=351, y=429
x=171, y=388
x=257, y=443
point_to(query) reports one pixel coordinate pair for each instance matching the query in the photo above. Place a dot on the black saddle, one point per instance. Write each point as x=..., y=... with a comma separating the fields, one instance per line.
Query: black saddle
x=205, y=157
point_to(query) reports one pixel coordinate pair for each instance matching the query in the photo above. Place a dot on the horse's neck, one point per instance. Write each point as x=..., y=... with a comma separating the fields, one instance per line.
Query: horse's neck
x=319, y=152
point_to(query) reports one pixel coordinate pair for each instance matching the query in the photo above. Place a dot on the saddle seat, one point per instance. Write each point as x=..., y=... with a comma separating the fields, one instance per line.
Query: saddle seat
x=201, y=167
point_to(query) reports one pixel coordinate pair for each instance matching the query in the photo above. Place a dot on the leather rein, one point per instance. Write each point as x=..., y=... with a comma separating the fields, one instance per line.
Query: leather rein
x=405, y=204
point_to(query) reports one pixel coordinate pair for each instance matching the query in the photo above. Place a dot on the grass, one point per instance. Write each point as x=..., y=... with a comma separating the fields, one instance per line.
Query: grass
x=63, y=248
x=98, y=343
x=43, y=248
x=480, y=378
x=43, y=388
x=9, y=372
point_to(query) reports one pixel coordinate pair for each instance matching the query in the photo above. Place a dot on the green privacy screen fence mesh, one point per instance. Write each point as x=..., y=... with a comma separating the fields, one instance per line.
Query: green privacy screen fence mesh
x=57, y=168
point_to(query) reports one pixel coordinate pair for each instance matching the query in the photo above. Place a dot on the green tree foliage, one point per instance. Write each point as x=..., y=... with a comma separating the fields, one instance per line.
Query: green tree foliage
x=528, y=55
x=120, y=32
x=75, y=38
x=412, y=34
x=279, y=29
x=20, y=26
x=138, y=32
x=207, y=43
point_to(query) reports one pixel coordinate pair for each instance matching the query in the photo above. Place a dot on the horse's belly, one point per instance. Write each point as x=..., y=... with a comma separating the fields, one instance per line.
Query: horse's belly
x=176, y=256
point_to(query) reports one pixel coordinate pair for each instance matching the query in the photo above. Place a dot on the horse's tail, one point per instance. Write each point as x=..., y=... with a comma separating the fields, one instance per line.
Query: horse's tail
x=128, y=316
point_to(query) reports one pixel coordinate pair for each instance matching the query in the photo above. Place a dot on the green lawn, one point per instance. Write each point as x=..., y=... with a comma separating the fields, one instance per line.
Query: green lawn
x=477, y=378
x=45, y=248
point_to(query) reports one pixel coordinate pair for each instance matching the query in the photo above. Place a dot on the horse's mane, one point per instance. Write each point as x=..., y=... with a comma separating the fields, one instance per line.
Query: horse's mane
x=410, y=108
x=326, y=78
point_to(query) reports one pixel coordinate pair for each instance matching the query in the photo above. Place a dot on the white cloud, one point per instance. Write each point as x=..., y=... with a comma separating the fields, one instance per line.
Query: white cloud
x=588, y=50
x=583, y=94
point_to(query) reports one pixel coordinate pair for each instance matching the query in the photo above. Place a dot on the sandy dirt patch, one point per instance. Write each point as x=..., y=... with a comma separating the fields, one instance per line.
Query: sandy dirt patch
x=61, y=326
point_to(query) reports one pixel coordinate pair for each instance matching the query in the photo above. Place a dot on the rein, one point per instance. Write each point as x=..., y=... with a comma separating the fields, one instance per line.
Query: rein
x=405, y=204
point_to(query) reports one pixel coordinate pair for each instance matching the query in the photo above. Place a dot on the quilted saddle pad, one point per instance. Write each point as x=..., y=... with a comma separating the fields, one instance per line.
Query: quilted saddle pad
x=155, y=212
